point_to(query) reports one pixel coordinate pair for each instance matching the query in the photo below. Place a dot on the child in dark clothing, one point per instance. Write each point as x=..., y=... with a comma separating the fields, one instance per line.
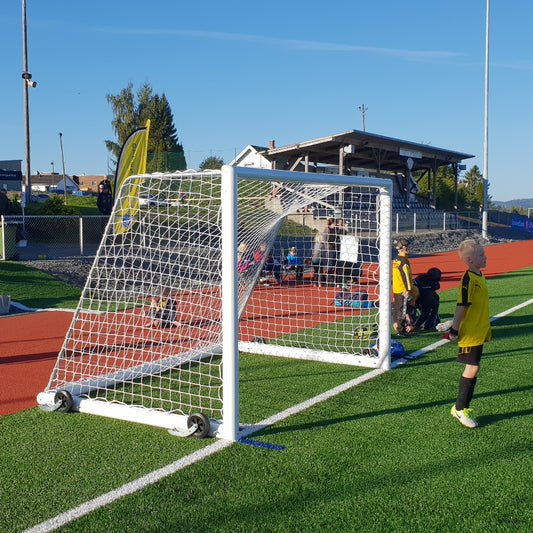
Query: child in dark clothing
x=428, y=300
x=163, y=311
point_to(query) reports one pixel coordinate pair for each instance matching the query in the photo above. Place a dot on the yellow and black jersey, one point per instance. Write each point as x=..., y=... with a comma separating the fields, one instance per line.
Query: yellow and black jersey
x=474, y=329
x=402, y=278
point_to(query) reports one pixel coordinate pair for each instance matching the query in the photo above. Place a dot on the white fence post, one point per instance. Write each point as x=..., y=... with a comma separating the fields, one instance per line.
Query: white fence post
x=81, y=235
x=2, y=227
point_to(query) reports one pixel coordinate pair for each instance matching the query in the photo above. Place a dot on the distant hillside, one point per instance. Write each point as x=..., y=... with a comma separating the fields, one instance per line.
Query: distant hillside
x=523, y=202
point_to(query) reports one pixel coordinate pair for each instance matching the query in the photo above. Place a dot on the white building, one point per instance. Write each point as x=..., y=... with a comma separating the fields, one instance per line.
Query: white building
x=251, y=157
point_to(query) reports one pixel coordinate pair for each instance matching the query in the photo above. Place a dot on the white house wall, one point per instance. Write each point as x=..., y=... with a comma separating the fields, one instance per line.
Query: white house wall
x=250, y=157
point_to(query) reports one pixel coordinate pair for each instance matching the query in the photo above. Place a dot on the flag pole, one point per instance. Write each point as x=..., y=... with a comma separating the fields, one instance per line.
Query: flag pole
x=484, y=221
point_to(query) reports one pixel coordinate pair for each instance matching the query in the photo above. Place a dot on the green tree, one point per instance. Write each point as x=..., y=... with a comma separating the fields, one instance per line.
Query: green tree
x=130, y=112
x=125, y=120
x=211, y=163
x=445, y=188
x=473, y=187
x=469, y=191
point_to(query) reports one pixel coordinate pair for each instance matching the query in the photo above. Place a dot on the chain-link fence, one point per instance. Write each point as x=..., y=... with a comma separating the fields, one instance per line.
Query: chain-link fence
x=56, y=237
x=50, y=236
x=427, y=220
x=419, y=221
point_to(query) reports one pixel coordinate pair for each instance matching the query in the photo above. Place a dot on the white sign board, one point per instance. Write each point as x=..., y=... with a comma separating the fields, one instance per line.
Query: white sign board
x=349, y=248
x=410, y=153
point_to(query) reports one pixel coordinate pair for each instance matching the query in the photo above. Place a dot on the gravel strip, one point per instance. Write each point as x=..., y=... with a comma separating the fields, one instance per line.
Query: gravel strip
x=71, y=271
x=74, y=271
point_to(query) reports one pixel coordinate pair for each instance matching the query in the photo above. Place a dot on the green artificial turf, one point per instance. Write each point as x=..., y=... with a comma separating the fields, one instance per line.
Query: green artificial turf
x=35, y=289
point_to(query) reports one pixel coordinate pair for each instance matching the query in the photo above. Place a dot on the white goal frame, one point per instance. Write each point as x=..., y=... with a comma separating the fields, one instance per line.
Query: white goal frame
x=232, y=305
x=230, y=357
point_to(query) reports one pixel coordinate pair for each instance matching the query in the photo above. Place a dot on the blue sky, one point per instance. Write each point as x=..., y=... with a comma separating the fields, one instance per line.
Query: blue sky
x=238, y=73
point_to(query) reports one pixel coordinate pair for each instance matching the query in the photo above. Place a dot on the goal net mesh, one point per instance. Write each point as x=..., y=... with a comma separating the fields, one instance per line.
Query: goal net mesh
x=148, y=328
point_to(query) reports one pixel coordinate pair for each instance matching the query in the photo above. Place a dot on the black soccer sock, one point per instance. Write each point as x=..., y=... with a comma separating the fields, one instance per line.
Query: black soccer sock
x=471, y=391
x=466, y=391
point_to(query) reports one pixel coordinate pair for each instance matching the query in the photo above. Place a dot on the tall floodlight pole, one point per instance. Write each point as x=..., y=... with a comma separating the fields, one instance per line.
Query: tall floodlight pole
x=26, y=76
x=64, y=175
x=362, y=108
x=484, y=221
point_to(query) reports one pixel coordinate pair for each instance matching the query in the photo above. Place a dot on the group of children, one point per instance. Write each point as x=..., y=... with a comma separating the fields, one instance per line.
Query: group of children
x=470, y=325
x=415, y=304
x=294, y=263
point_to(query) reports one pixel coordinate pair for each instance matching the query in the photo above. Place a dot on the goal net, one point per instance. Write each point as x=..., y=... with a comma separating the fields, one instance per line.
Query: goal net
x=194, y=267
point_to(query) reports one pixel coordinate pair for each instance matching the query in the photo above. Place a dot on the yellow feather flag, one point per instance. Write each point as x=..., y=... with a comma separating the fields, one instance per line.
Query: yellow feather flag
x=132, y=161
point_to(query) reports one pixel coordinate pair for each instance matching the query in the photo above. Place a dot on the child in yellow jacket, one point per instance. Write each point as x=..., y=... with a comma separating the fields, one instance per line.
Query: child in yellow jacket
x=402, y=285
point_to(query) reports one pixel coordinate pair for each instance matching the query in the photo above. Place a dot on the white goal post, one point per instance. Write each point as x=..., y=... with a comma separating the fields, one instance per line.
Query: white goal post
x=195, y=267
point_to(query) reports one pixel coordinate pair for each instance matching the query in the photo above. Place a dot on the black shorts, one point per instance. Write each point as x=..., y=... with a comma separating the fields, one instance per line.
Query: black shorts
x=470, y=355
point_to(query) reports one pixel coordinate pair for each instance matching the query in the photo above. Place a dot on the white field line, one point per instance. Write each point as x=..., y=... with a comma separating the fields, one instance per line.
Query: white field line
x=431, y=347
x=155, y=476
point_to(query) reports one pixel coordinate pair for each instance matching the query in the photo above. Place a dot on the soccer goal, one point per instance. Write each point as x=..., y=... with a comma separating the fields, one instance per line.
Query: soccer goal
x=195, y=267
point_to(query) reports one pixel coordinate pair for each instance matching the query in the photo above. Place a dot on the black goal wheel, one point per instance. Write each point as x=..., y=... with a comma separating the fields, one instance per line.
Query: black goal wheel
x=202, y=422
x=67, y=402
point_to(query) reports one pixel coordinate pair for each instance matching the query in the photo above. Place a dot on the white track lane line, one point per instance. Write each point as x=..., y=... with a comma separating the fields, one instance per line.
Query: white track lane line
x=157, y=475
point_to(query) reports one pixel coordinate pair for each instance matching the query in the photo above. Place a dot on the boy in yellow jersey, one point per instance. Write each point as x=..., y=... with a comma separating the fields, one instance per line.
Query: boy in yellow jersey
x=402, y=285
x=470, y=326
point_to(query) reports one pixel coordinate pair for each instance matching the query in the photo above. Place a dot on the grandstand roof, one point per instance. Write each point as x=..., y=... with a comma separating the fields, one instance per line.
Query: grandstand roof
x=364, y=150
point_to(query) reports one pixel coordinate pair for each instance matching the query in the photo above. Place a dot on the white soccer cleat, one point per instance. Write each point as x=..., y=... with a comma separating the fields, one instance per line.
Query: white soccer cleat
x=464, y=416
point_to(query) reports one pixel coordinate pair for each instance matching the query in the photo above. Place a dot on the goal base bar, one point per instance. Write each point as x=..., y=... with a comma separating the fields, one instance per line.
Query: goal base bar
x=312, y=355
x=130, y=413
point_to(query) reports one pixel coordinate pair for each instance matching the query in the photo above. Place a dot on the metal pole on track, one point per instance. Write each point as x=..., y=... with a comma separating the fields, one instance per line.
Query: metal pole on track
x=484, y=221
x=26, y=78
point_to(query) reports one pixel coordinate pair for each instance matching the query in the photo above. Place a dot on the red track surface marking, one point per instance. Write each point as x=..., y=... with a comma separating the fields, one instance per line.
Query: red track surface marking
x=29, y=343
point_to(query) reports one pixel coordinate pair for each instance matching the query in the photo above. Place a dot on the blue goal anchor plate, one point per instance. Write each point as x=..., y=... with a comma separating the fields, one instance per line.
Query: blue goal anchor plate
x=262, y=444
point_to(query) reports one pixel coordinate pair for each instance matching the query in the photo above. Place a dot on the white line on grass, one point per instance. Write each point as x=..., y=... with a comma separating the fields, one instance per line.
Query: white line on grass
x=128, y=488
x=431, y=347
x=512, y=310
x=157, y=475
